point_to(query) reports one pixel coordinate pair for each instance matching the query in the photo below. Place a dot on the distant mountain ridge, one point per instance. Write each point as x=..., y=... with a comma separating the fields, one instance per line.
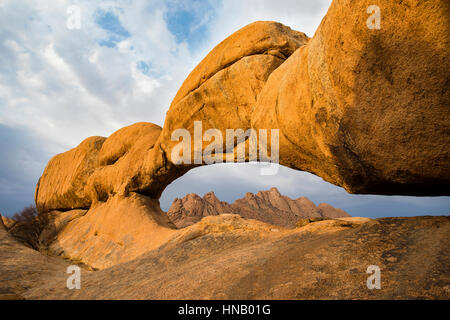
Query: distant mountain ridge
x=267, y=206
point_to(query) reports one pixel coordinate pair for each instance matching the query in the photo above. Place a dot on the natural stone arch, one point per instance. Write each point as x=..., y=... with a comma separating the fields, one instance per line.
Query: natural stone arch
x=316, y=91
x=364, y=109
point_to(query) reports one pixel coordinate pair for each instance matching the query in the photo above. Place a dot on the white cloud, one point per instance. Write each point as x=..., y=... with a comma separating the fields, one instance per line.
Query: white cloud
x=64, y=86
x=61, y=86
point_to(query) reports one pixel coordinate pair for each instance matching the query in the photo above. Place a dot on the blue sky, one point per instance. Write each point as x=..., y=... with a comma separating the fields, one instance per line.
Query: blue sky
x=109, y=22
x=188, y=20
x=125, y=65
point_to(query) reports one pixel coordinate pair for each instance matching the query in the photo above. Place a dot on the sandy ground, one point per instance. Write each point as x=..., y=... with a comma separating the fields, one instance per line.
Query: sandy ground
x=232, y=258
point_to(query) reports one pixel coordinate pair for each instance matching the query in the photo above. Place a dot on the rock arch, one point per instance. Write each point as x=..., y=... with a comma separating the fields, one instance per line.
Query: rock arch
x=364, y=109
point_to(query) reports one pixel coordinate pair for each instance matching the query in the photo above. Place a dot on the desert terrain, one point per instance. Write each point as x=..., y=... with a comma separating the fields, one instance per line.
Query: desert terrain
x=228, y=257
x=366, y=109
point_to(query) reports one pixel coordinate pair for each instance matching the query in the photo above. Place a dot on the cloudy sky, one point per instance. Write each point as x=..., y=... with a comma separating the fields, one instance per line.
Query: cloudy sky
x=59, y=85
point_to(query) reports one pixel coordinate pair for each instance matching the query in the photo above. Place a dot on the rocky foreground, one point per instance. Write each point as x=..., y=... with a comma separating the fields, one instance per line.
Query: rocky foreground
x=228, y=257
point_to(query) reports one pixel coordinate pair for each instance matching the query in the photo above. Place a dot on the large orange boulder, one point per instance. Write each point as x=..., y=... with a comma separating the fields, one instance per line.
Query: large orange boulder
x=62, y=185
x=261, y=37
x=365, y=108
x=113, y=232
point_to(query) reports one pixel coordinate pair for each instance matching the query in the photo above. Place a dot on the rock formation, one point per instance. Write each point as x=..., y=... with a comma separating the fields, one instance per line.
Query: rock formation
x=113, y=232
x=22, y=268
x=328, y=211
x=365, y=109
x=266, y=206
x=6, y=222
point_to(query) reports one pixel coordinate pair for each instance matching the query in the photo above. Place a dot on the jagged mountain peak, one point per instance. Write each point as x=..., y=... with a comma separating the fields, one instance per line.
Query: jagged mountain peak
x=269, y=206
